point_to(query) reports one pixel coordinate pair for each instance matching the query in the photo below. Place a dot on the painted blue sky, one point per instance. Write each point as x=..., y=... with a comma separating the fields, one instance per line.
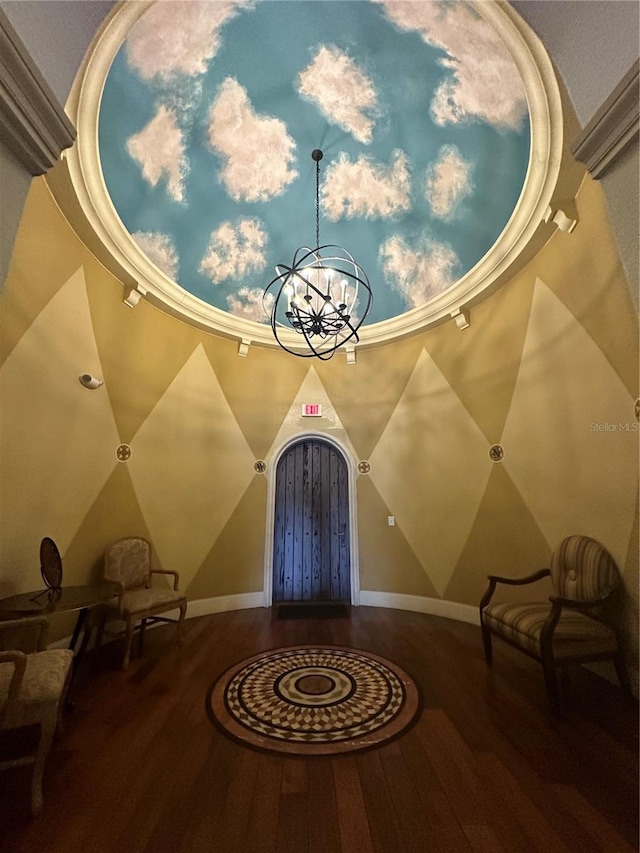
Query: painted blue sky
x=210, y=112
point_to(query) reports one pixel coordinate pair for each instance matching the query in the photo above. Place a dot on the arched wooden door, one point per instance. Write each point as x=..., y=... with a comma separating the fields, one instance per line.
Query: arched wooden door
x=311, y=559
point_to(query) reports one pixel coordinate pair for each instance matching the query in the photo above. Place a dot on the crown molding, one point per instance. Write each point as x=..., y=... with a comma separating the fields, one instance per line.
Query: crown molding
x=612, y=127
x=33, y=125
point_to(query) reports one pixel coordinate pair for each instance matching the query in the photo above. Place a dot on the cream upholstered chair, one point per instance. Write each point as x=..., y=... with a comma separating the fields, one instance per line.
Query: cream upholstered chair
x=127, y=563
x=33, y=685
x=571, y=627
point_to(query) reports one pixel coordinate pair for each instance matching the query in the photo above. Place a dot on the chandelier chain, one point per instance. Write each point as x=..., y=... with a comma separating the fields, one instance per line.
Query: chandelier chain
x=317, y=202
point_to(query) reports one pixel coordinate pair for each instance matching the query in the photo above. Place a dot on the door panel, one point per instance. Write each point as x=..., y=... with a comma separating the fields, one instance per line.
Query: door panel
x=311, y=560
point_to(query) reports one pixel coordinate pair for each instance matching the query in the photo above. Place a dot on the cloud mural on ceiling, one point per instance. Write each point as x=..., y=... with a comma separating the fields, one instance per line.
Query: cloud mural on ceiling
x=159, y=150
x=448, y=182
x=484, y=83
x=248, y=302
x=365, y=188
x=160, y=250
x=419, y=272
x=257, y=150
x=235, y=250
x=210, y=111
x=342, y=91
x=174, y=38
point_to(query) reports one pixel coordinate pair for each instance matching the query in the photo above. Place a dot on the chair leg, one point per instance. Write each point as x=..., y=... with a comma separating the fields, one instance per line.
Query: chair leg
x=102, y=619
x=47, y=731
x=128, y=642
x=143, y=625
x=183, y=613
x=488, y=650
x=551, y=682
x=623, y=676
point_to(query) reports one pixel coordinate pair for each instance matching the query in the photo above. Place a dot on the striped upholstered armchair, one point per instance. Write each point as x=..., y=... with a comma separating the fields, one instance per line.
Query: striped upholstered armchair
x=572, y=626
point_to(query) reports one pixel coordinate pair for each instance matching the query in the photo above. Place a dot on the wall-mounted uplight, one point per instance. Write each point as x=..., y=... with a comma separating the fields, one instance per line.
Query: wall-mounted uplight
x=89, y=381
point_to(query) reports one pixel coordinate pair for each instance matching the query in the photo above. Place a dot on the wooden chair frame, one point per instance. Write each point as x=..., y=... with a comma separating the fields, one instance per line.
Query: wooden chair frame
x=546, y=656
x=47, y=715
x=139, y=620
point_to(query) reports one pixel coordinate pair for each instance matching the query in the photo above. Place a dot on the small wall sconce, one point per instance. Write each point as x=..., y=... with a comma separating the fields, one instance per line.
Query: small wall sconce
x=89, y=381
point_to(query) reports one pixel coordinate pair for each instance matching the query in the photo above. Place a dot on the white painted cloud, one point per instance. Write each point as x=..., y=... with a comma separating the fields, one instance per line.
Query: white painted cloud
x=159, y=248
x=257, y=150
x=342, y=91
x=366, y=188
x=485, y=83
x=248, y=303
x=159, y=149
x=235, y=250
x=448, y=182
x=178, y=37
x=419, y=273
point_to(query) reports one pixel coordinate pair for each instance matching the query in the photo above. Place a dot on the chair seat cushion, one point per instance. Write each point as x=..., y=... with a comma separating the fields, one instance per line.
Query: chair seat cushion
x=44, y=679
x=575, y=634
x=140, y=601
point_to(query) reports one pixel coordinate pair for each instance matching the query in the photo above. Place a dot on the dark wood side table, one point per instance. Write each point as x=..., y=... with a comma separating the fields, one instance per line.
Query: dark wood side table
x=66, y=600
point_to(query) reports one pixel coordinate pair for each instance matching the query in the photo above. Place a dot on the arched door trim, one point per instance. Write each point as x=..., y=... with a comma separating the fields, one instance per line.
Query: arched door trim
x=272, y=467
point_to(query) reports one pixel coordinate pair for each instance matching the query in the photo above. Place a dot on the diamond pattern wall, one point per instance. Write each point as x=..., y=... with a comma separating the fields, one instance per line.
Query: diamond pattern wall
x=431, y=467
x=47, y=416
x=190, y=466
x=571, y=445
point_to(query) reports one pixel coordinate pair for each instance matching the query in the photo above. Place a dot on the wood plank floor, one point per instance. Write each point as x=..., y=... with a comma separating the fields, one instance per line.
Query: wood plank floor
x=486, y=768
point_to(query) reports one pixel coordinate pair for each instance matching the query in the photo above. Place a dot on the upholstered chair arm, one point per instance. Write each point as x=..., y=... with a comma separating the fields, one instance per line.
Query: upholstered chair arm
x=580, y=604
x=557, y=603
x=37, y=623
x=176, y=575
x=494, y=580
x=19, y=661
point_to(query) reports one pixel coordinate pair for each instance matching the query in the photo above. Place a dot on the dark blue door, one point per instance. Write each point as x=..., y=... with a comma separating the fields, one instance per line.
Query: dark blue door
x=311, y=560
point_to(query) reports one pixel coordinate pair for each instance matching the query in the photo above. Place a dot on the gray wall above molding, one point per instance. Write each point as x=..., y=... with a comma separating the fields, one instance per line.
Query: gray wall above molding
x=33, y=125
x=593, y=43
x=613, y=127
x=57, y=35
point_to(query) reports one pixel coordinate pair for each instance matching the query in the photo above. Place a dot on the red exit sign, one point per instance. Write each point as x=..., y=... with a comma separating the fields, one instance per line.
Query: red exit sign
x=311, y=410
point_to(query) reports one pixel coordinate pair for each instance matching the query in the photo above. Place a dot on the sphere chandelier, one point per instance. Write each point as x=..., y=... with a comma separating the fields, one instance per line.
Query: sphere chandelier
x=324, y=295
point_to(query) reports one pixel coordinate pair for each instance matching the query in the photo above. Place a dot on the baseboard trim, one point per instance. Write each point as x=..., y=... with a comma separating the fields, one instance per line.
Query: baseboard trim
x=368, y=598
x=422, y=604
x=223, y=603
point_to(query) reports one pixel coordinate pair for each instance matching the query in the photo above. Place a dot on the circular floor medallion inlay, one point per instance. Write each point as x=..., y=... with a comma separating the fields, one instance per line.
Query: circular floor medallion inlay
x=313, y=701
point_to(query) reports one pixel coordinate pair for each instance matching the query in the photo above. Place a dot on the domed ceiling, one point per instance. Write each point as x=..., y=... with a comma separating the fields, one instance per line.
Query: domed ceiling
x=210, y=111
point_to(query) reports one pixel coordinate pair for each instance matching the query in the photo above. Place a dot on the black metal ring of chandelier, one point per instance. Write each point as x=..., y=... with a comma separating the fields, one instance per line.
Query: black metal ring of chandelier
x=309, y=286
x=324, y=322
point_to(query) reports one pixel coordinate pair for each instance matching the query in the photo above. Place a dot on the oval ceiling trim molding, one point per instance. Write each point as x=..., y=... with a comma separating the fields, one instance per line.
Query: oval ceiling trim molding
x=85, y=171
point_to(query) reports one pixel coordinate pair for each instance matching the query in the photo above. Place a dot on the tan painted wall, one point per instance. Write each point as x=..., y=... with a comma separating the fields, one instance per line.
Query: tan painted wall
x=548, y=369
